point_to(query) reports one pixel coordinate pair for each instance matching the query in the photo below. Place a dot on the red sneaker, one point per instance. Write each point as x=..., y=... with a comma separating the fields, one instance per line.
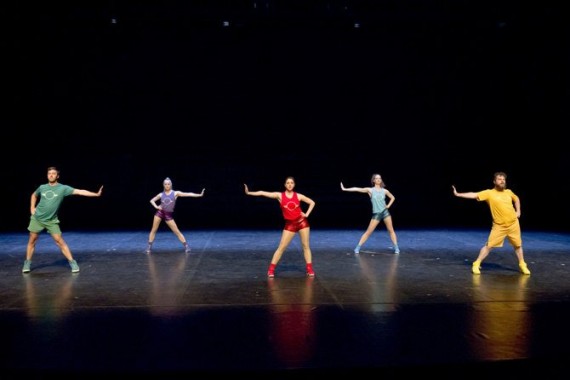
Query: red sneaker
x=310, y=271
x=271, y=271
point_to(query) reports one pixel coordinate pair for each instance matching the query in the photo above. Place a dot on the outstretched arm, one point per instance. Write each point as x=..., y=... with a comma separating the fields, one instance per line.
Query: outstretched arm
x=87, y=193
x=468, y=195
x=260, y=193
x=355, y=189
x=190, y=194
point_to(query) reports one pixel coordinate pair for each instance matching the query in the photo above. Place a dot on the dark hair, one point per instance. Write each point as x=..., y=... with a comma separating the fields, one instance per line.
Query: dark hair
x=499, y=174
x=53, y=168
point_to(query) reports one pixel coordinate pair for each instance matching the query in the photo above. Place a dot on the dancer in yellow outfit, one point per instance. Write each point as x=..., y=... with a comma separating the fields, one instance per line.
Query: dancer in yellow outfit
x=505, y=209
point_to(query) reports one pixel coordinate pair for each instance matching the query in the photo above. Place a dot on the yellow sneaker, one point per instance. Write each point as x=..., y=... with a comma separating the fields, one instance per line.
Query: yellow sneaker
x=476, y=268
x=524, y=268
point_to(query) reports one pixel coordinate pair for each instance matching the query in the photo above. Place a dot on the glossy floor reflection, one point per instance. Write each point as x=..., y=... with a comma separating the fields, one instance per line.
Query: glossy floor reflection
x=215, y=311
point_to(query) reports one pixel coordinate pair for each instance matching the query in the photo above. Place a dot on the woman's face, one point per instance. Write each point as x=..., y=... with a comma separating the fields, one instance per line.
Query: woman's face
x=290, y=184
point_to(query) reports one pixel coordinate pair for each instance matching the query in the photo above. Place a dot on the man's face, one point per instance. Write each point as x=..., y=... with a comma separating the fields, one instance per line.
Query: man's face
x=500, y=182
x=52, y=176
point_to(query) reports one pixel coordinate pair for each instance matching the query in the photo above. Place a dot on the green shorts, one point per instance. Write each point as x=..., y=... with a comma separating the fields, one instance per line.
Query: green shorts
x=51, y=226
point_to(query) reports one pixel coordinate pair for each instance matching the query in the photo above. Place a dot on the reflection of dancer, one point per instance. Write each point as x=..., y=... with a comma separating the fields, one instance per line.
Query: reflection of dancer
x=293, y=327
x=295, y=221
x=48, y=303
x=377, y=194
x=168, y=284
x=165, y=211
x=44, y=215
x=492, y=337
x=505, y=209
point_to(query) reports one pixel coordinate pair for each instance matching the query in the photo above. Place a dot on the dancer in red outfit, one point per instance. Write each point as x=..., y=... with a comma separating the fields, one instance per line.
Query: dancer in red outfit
x=295, y=221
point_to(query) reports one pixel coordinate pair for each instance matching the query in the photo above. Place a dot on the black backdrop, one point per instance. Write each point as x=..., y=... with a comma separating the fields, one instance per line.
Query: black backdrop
x=215, y=94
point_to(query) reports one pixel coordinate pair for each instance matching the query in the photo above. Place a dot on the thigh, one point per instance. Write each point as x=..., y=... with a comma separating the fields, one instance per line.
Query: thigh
x=496, y=236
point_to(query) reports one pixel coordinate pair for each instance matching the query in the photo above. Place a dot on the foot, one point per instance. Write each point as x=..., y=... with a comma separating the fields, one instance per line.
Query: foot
x=357, y=250
x=310, y=271
x=271, y=270
x=524, y=268
x=27, y=266
x=74, y=266
x=476, y=268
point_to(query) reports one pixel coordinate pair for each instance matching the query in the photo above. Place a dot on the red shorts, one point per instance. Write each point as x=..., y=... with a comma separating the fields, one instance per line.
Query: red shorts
x=296, y=225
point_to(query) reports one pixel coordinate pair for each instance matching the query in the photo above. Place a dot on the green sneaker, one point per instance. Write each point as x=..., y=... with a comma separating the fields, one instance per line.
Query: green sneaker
x=27, y=265
x=74, y=266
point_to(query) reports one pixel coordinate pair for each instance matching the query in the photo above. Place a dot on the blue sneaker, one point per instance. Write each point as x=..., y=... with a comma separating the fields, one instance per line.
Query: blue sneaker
x=357, y=250
x=397, y=250
x=27, y=266
x=74, y=266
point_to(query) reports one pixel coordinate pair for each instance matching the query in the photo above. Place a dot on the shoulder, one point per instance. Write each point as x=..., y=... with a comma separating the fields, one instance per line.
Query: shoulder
x=484, y=194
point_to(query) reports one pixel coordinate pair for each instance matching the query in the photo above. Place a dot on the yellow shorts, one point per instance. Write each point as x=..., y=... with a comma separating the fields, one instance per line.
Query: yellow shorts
x=499, y=232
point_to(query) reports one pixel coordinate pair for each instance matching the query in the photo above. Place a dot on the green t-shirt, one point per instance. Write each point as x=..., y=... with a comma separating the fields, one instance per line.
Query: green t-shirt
x=50, y=201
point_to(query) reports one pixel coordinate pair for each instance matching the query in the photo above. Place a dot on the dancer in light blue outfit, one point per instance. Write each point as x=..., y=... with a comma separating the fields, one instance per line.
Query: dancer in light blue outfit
x=377, y=194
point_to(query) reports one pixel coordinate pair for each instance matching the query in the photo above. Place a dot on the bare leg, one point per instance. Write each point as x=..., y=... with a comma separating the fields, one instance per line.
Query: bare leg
x=520, y=254
x=155, y=224
x=483, y=253
x=63, y=246
x=520, y=257
x=172, y=224
x=304, y=235
x=390, y=228
x=371, y=227
x=31, y=245
x=286, y=238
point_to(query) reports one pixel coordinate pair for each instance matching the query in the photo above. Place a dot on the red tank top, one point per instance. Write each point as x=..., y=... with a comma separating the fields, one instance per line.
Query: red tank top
x=291, y=207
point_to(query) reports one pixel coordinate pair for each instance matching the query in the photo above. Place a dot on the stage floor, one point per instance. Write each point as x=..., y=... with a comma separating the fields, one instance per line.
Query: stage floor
x=213, y=310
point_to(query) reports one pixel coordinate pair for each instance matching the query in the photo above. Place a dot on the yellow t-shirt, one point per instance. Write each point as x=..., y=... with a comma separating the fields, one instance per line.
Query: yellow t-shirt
x=501, y=205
